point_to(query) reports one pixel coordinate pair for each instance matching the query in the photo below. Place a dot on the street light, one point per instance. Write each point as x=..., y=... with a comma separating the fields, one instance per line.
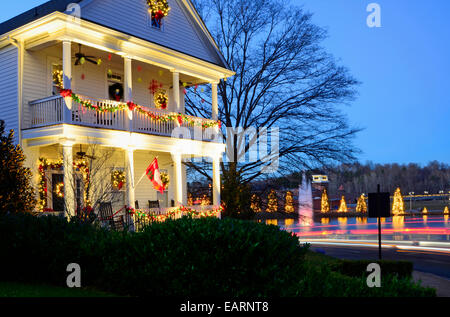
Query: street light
x=410, y=201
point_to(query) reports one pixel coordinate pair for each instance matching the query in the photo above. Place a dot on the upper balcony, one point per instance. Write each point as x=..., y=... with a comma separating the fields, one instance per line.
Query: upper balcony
x=115, y=115
x=110, y=91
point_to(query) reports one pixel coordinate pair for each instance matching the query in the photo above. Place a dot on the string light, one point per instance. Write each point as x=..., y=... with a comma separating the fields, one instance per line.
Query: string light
x=343, y=205
x=324, y=205
x=361, y=205
x=398, y=205
x=67, y=93
x=289, y=206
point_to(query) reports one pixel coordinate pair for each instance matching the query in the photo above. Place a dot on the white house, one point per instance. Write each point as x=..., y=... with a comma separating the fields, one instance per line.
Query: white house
x=124, y=67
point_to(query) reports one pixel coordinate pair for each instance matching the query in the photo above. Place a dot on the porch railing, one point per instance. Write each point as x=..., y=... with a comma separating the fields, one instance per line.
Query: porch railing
x=52, y=110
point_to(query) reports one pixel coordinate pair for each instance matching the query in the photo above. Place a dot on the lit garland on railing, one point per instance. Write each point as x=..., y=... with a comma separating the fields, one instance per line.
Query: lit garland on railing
x=174, y=213
x=45, y=164
x=170, y=117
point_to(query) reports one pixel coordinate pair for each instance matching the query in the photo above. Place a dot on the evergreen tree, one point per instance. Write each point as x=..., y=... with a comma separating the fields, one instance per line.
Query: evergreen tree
x=256, y=203
x=343, y=205
x=398, y=205
x=324, y=204
x=272, y=204
x=288, y=206
x=361, y=205
x=236, y=196
x=16, y=191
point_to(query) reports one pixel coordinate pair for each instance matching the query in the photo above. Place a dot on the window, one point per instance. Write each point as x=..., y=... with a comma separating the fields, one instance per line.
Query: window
x=115, y=86
x=57, y=79
x=156, y=23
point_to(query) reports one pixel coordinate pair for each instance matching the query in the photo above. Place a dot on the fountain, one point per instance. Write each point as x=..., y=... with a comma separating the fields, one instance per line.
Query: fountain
x=305, y=202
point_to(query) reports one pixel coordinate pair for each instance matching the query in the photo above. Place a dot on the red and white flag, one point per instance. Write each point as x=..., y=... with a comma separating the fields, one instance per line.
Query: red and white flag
x=154, y=176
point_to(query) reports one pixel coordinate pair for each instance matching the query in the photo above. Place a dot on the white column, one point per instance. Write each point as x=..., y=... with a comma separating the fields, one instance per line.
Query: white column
x=67, y=78
x=178, y=172
x=216, y=180
x=176, y=91
x=215, y=103
x=129, y=166
x=128, y=88
x=69, y=190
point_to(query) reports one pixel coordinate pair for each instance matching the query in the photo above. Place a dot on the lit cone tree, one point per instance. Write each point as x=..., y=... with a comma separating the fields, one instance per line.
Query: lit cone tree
x=289, y=206
x=361, y=205
x=398, y=205
x=324, y=204
x=425, y=210
x=16, y=191
x=343, y=205
x=272, y=203
x=446, y=211
x=255, y=203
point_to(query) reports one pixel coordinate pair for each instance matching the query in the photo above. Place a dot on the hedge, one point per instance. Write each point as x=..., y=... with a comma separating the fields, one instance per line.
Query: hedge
x=185, y=257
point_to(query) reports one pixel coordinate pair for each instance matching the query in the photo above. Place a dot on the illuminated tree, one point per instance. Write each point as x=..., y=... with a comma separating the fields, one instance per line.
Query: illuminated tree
x=446, y=211
x=288, y=206
x=324, y=205
x=343, y=205
x=425, y=210
x=398, y=205
x=256, y=203
x=16, y=191
x=361, y=205
x=272, y=204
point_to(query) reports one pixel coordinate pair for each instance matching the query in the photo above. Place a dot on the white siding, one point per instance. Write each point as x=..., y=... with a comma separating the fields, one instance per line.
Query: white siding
x=9, y=111
x=132, y=17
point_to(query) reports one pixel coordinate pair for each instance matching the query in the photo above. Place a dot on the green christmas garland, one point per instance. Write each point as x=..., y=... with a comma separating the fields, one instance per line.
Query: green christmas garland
x=132, y=106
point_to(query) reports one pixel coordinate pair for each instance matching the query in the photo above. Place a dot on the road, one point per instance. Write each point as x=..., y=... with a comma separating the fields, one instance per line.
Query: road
x=433, y=262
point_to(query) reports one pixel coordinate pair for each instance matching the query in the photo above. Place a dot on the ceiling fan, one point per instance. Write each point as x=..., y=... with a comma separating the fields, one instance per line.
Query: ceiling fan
x=80, y=58
x=81, y=155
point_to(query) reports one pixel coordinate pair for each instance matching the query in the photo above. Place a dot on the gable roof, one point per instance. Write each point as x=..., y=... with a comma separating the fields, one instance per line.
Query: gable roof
x=61, y=6
x=35, y=13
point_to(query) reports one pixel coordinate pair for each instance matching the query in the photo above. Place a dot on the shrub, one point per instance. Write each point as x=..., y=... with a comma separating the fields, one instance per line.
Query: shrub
x=186, y=257
x=335, y=284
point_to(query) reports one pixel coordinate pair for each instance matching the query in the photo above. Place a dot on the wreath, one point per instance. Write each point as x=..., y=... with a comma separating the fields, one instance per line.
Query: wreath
x=158, y=8
x=165, y=179
x=161, y=99
x=59, y=190
x=118, y=179
x=116, y=91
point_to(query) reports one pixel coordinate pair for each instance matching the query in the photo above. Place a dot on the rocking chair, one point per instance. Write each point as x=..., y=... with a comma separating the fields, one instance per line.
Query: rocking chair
x=106, y=216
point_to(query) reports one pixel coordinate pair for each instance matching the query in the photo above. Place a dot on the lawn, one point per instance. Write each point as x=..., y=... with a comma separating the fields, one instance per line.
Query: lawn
x=8, y=289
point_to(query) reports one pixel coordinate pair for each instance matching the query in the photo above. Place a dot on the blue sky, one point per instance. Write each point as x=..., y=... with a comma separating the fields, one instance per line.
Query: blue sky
x=403, y=101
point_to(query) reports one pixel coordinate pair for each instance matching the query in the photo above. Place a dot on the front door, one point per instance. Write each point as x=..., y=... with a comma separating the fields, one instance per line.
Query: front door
x=58, y=201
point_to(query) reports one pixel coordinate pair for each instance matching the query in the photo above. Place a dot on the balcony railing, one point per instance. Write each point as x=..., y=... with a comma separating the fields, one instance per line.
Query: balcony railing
x=52, y=111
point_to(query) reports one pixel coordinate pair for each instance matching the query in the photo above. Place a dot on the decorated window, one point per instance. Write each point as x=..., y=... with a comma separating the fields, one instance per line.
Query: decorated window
x=158, y=9
x=115, y=86
x=57, y=79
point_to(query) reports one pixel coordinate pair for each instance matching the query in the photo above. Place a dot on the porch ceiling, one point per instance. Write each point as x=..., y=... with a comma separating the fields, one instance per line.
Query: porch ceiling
x=119, y=139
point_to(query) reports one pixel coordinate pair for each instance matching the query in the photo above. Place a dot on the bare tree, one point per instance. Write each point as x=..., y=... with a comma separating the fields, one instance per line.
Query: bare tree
x=283, y=79
x=96, y=186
